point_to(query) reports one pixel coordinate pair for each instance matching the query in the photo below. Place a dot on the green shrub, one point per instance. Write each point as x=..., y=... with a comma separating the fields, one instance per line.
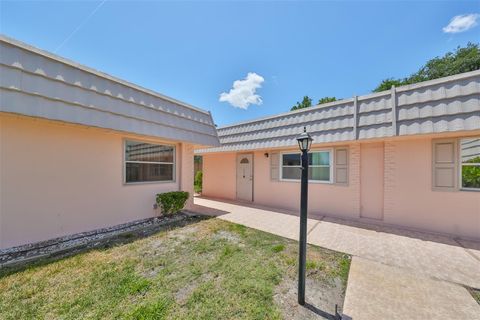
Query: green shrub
x=198, y=182
x=172, y=202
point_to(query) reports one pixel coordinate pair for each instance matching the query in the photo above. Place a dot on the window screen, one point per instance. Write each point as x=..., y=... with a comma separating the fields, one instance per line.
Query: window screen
x=146, y=162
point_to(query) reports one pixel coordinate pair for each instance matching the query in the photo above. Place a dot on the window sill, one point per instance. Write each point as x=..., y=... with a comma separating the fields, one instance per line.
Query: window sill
x=469, y=189
x=310, y=181
x=147, y=182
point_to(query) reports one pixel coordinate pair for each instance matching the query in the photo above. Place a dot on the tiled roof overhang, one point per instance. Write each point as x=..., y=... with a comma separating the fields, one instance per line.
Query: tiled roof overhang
x=40, y=84
x=443, y=105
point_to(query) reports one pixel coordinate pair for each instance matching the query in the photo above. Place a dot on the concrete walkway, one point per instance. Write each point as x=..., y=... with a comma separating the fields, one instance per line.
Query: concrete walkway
x=379, y=291
x=395, y=273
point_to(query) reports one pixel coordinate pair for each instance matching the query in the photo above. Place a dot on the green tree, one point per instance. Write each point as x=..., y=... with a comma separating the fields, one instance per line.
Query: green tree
x=306, y=103
x=198, y=182
x=463, y=59
x=327, y=99
x=388, y=83
x=471, y=174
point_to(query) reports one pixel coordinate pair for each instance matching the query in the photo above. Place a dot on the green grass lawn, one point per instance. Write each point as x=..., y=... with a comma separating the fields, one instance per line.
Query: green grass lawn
x=209, y=269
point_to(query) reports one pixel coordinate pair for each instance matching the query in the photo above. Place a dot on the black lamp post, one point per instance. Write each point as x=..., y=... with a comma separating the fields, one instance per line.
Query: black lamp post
x=304, y=143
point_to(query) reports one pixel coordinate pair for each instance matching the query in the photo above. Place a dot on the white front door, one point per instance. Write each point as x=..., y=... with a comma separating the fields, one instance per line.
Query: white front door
x=245, y=177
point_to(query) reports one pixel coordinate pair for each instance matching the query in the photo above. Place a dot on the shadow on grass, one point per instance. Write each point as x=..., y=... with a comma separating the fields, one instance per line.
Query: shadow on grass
x=102, y=244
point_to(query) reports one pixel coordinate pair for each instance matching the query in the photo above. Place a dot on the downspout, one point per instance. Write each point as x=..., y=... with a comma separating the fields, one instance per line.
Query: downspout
x=179, y=166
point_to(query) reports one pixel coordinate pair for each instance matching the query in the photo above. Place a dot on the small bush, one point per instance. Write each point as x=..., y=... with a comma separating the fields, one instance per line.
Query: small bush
x=198, y=182
x=172, y=202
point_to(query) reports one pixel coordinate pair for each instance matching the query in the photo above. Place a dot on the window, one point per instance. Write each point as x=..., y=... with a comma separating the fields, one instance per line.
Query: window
x=319, y=166
x=145, y=162
x=470, y=163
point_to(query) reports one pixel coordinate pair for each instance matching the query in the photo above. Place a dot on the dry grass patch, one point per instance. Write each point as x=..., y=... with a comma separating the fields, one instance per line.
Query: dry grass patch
x=210, y=269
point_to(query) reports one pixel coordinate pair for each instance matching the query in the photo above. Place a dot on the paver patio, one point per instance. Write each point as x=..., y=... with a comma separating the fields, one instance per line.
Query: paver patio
x=408, y=263
x=378, y=291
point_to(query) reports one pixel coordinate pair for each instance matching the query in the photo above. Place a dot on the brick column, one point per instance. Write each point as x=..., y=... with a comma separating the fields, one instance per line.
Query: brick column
x=389, y=179
x=354, y=179
x=186, y=171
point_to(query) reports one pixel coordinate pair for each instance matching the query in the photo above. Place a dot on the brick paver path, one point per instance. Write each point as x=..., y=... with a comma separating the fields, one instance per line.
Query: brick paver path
x=422, y=273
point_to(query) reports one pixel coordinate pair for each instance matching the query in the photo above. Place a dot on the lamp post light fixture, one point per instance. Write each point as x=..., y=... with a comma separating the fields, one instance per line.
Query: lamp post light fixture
x=304, y=143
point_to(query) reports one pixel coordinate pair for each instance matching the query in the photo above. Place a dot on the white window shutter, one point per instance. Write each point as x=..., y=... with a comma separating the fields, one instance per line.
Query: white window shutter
x=444, y=165
x=341, y=165
x=274, y=167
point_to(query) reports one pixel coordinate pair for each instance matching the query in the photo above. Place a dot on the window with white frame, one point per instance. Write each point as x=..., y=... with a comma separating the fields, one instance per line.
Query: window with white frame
x=470, y=163
x=146, y=162
x=319, y=166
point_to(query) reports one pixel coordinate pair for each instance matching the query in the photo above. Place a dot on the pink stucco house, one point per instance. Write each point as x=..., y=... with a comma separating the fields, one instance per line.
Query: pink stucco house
x=407, y=157
x=82, y=150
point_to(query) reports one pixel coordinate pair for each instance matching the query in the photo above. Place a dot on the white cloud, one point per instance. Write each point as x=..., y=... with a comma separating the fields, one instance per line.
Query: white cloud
x=461, y=23
x=243, y=92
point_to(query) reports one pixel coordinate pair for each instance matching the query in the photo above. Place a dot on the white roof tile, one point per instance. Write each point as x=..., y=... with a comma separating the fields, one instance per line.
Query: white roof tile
x=40, y=84
x=441, y=105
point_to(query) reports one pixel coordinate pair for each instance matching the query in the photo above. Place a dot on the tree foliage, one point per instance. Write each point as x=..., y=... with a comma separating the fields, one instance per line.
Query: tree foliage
x=306, y=103
x=463, y=59
x=198, y=182
x=387, y=84
x=471, y=174
x=471, y=177
x=326, y=99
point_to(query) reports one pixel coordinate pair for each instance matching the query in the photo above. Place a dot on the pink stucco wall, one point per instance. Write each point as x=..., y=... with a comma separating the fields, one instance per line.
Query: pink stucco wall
x=219, y=175
x=58, y=179
x=285, y=194
x=219, y=182
x=408, y=198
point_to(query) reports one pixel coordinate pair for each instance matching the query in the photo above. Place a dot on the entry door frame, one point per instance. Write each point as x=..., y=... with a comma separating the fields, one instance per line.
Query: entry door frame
x=237, y=162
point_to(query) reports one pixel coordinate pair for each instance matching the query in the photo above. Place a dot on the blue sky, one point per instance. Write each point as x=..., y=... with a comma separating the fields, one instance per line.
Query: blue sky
x=194, y=51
